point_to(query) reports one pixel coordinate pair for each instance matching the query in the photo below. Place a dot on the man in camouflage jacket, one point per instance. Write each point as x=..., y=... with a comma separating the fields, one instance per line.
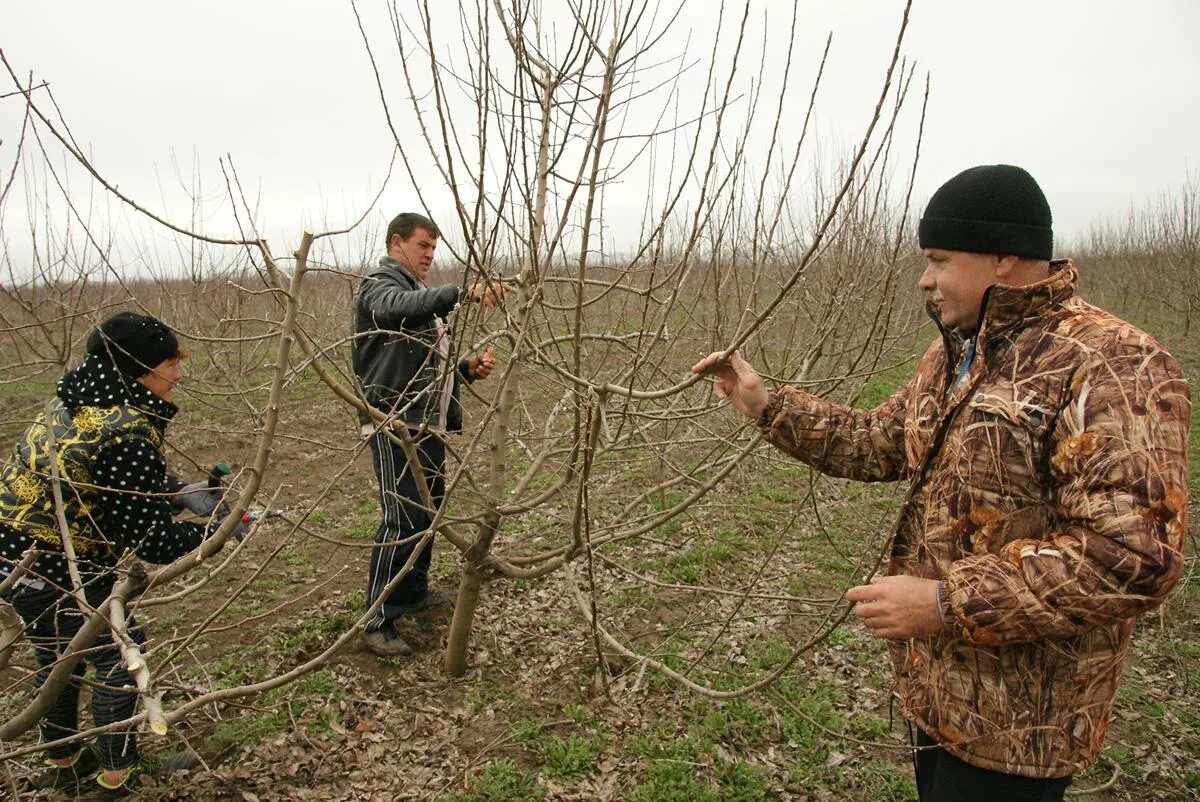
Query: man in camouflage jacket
x=1045, y=441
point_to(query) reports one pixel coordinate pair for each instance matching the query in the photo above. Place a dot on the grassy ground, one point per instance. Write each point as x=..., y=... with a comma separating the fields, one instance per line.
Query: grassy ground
x=723, y=593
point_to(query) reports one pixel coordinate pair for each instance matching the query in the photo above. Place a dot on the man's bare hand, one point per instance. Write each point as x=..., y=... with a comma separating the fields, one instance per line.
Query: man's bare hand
x=480, y=367
x=735, y=379
x=487, y=293
x=898, y=607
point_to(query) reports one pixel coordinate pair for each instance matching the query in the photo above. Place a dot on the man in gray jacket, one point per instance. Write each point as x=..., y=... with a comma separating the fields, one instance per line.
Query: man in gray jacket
x=402, y=359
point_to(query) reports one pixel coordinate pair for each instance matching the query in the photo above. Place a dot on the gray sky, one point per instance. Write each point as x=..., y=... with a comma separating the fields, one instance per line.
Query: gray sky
x=1095, y=97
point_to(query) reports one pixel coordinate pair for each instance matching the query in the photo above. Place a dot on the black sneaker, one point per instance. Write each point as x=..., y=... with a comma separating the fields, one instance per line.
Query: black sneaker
x=433, y=600
x=183, y=760
x=386, y=642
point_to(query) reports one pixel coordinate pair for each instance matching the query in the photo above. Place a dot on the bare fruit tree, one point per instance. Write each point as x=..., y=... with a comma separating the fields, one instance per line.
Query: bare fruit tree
x=536, y=121
x=642, y=206
x=1152, y=255
x=66, y=279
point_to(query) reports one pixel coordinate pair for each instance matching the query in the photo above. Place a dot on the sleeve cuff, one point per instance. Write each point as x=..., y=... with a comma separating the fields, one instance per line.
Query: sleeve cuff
x=464, y=370
x=771, y=410
x=949, y=619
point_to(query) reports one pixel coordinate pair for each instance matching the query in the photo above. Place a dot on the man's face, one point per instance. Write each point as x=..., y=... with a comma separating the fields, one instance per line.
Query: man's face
x=955, y=282
x=415, y=253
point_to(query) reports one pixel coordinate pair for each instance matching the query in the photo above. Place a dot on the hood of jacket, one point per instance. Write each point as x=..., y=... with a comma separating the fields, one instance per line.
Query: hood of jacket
x=96, y=383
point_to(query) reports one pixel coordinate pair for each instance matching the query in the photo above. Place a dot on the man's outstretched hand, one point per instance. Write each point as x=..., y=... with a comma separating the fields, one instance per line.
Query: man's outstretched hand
x=481, y=366
x=486, y=293
x=735, y=379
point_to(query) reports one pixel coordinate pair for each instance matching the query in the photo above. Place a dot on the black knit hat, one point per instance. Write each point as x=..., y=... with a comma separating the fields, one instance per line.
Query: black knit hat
x=133, y=343
x=995, y=208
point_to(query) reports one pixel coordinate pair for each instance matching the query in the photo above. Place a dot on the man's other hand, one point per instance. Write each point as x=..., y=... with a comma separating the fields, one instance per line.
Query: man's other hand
x=480, y=367
x=898, y=607
x=735, y=379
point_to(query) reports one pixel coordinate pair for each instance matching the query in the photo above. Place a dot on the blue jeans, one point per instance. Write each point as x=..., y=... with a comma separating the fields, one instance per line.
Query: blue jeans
x=403, y=517
x=51, y=619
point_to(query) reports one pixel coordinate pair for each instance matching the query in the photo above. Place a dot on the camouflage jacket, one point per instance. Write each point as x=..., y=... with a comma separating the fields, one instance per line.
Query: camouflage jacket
x=1049, y=492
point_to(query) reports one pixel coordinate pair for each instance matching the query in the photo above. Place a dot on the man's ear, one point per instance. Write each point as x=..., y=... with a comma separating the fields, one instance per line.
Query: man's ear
x=1006, y=265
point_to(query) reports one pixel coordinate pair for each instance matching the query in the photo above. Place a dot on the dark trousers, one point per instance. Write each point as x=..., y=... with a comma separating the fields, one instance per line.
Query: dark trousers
x=51, y=620
x=941, y=777
x=403, y=516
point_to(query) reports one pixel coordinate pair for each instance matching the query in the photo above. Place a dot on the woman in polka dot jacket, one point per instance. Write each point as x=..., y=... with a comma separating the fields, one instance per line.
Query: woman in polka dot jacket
x=105, y=428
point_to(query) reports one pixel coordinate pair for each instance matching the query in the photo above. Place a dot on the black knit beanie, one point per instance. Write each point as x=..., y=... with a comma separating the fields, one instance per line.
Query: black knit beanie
x=995, y=208
x=133, y=343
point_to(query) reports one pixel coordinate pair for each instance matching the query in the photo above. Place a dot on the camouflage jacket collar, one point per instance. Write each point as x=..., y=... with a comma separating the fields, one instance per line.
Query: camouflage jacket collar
x=1007, y=308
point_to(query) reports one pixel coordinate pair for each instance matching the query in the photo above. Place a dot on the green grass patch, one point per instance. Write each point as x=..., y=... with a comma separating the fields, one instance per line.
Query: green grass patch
x=311, y=632
x=487, y=691
x=247, y=729
x=528, y=732
x=777, y=493
x=884, y=782
x=294, y=558
x=807, y=716
x=246, y=608
x=240, y=666
x=882, y=384
x=868, y=728
x=632, y=596
x=499, y=781
x=666, y=500
x=303, y=700
x=580, y=714
x=737, y=722
x=767, y=653
x=671, y=772
x=571, y=757
x=170, y=620
x=690, y=565
x=738, y=781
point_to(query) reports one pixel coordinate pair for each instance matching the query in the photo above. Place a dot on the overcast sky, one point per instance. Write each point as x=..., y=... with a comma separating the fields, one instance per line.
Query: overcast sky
x=1096, y=98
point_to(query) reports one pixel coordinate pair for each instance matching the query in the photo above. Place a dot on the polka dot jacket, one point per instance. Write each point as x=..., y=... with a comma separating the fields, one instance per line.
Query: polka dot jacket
x=107, y=432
